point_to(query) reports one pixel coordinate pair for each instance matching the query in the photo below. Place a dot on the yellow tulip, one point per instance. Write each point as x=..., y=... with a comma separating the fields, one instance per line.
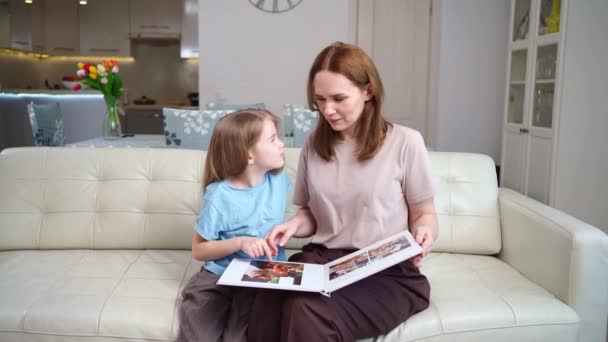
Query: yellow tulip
x=80, y=65
x=93, y=76
x=92, y=69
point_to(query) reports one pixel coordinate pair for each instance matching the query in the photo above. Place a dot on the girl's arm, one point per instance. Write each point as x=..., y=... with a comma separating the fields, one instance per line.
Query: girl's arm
x=205, y=250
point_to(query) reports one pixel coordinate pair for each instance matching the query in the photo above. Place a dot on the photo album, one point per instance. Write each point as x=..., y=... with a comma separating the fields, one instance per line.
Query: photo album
x=321, y=278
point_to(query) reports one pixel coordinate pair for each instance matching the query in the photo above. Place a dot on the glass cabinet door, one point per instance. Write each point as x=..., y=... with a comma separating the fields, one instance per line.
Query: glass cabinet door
x=521, y=20
x=517, y=87
x=544, y=86
x=548, y=16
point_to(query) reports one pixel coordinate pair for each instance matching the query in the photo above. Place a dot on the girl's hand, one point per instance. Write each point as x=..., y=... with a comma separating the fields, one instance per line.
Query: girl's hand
x=279, y=235
x=255, y=247
x=423, y=235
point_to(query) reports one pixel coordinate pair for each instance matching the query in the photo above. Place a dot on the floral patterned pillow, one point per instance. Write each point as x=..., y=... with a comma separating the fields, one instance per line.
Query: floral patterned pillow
x=299, y=122
x=190, y=129
x=47, y=124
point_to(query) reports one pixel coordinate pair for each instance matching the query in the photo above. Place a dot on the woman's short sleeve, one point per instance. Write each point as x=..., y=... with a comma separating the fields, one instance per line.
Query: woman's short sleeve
x=300, y=193
x=417, y=182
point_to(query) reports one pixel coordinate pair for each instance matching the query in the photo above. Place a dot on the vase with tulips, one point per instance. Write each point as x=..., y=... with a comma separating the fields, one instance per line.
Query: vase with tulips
x=105, y=78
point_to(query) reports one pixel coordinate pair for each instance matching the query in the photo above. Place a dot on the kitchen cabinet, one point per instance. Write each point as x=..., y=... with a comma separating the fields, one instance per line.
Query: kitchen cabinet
x=189, y=42
x=26, y=25
x=156, y=18
x=143, y=120
x=62, y=28
x=104, y=28
x=5, y=26
x=534, y=74
x=554, y=104
x=20, y=15
x=38, y=20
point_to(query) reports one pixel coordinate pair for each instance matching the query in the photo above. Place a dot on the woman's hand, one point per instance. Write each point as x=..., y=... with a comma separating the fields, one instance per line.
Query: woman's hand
x=424, y=236
x=423, y=226
x=280, y=234
x=255, y=247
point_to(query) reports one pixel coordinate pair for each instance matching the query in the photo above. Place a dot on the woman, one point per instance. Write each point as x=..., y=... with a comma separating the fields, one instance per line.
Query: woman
x=360, y=179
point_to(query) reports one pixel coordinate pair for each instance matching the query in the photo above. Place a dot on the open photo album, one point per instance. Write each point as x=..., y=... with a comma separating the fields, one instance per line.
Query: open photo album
x=322, y=278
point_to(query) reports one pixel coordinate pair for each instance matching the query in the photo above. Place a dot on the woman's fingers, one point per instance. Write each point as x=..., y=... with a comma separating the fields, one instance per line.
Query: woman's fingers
x=426, y=243
x=267, y=250
x=420, y=233
x=284, y=238
x=271, y=239
x=417, y=260
x=425, y=239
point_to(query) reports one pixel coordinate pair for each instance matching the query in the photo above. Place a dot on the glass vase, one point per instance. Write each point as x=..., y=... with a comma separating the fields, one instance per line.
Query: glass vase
x=111, y=123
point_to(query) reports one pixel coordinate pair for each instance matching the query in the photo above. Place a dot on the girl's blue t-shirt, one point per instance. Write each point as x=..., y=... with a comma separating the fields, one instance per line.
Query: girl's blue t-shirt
x=228, y=212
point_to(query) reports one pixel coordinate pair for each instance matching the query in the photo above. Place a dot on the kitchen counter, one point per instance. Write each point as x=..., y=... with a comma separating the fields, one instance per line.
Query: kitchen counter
x=49, y=92
x=140, y=140
x=158, y=106
x=83, y=114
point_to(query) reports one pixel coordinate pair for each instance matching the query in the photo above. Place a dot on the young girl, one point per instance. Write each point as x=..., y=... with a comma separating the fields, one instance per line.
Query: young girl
x=245, y=191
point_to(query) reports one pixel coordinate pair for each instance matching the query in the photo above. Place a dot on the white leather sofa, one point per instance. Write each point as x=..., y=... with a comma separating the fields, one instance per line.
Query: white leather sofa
x=94, y=246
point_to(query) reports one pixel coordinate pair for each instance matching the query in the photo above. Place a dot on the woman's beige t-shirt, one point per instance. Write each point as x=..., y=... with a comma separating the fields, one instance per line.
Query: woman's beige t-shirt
x=358, y=203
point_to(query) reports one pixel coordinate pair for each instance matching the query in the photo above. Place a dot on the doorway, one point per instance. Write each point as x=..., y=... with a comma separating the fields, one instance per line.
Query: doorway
x=397, y=36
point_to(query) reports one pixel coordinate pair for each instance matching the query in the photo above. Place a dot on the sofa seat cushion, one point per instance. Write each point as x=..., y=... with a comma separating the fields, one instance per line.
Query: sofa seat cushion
x=120, y=294
x=135, y=294
x=481, y=298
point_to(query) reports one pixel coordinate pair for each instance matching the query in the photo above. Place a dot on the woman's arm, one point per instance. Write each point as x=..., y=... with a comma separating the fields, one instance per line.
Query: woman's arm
x=301, y=225
x=423, y=214
x=422, y=220
x=205, y=250
x=305, y=222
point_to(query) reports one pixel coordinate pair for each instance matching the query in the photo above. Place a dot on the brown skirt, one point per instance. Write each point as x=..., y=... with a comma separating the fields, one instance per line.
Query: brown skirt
x=370, y=307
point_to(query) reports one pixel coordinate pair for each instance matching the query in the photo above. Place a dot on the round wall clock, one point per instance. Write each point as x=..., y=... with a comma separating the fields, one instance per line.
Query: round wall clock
x=275, y=6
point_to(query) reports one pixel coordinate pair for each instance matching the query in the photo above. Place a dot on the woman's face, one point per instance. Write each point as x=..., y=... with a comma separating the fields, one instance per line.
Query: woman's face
x=339, y=100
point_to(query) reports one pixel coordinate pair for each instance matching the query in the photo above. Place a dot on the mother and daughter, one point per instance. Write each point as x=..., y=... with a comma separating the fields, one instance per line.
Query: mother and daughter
x=360, y=179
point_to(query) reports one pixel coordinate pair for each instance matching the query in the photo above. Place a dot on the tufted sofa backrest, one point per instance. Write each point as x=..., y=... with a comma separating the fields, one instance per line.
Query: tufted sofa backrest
x=467, y=203
x=97, y=198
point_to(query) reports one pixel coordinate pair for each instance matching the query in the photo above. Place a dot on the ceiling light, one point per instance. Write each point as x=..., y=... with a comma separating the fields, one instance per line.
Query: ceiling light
x=28, y=1
x=82, y=2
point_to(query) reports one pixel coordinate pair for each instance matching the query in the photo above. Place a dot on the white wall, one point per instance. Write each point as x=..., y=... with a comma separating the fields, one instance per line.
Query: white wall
x=581, y=169
x=249, y=56
x=471, y=76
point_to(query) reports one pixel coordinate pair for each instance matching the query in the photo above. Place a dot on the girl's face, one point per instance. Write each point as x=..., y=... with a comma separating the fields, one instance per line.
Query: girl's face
x=339, y=100
x=267, y=153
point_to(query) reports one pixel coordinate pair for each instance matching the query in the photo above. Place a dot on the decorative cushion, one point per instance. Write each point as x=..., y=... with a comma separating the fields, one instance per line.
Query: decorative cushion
x=229, y=106
x=299, y=122
x=47, y=124
x=289, y=109
x=190, y=129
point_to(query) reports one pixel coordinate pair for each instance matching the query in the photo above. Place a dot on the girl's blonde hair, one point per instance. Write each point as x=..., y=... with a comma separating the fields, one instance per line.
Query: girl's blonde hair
x=233, y=136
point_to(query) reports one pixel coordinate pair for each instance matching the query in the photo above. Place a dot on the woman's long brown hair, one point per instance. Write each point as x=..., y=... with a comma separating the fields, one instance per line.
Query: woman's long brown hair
x=233, y=136
x=371, y=127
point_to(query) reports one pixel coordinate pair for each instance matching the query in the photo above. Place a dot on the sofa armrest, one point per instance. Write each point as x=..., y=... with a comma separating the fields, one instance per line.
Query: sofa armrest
x=564, y=255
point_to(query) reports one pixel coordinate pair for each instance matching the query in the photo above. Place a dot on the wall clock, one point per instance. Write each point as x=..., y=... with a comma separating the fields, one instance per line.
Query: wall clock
x=275, y=6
